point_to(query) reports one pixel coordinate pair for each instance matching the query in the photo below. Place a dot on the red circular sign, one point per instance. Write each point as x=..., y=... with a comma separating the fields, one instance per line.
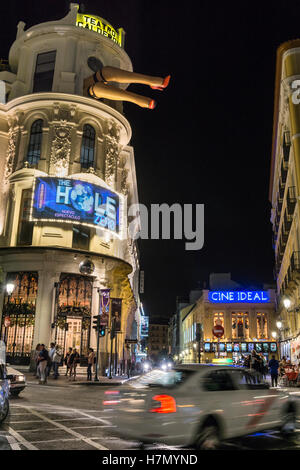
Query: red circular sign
x=218, y=331
x=6, y=322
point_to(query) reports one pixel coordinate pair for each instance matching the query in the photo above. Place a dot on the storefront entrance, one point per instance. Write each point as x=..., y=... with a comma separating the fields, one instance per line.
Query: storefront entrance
x=73, y=320
x=73, y=335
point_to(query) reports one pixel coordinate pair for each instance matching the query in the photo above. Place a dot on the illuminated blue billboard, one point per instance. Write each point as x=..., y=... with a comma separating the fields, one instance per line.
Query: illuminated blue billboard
x=144, y=326
x=74, y=201
x=248, y=296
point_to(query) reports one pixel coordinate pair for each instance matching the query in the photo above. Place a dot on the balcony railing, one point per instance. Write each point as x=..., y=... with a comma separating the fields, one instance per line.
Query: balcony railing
x=295, y=262
x=286, y=146
x=291, y=200
x=281, y=192
x=284, y=171
x=287, y=221
x=4, y=65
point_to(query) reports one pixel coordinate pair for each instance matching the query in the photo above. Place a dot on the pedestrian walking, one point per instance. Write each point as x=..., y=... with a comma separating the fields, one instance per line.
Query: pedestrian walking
x=263, y=365
x=50, y=360
x=255, y=366
x=73, y=362
x=43, y=360
x=274, y=366
x=247, y=361
x=91, y=360
x=57, y=357
x=66, y=360
x=35, y=359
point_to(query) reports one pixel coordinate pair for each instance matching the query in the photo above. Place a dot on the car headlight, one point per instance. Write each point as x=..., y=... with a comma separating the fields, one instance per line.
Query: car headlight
x=164, y=367
x=20, y=378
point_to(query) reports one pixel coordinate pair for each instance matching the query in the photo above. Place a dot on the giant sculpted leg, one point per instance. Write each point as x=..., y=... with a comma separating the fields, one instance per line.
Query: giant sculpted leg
x=112, y=74
x=102, y=90
x=98, y=86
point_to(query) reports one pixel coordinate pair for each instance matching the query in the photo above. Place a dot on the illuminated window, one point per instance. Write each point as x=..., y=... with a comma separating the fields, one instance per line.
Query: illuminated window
x=25, y=229
x=35, y=142
x=87, y=147
x=44, y=72
x=240, y=325
x=262, y=325
x=20, y=308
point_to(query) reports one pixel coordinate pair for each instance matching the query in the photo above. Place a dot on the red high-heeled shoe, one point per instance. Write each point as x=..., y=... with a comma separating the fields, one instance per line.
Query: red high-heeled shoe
x=152, y=104
x=164, y=85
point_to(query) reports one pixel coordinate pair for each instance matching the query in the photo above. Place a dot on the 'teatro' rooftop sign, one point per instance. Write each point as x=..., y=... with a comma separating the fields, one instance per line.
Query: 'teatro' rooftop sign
x=245, y=296
x=100, y=26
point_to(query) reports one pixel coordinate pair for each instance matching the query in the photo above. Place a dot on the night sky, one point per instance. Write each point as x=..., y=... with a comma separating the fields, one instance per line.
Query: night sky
x=209, y=139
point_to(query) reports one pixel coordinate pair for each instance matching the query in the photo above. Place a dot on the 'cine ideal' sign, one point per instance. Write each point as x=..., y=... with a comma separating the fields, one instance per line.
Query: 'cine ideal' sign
x=100, y=26
x=238, y=296
x=75, y=201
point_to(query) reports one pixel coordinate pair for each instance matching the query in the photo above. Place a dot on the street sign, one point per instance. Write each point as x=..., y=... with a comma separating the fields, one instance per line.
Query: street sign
x=218, y=331
x=131, y=341
x=7, y=322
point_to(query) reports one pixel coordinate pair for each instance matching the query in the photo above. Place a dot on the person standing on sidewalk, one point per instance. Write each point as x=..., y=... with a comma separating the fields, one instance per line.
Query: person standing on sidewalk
x=57, y=357
x=50, y=361
x=35, y=358
x=274, y=366
x=73, y=362
x=91, y=360
x=42, y=361
x=66, y=360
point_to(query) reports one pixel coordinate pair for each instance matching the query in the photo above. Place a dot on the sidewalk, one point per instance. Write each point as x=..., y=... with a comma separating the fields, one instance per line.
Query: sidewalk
x=81, y=378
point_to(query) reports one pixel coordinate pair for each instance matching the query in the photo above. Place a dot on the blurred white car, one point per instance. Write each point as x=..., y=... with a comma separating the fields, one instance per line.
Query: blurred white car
x=198, y=405
x=17, y=381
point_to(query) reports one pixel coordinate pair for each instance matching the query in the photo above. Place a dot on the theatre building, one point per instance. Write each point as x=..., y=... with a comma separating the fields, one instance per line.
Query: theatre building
x=228, y=321
x=67, y=176
x=284, y=195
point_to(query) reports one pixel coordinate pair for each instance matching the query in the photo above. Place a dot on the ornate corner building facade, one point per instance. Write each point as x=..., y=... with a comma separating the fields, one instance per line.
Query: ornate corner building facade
x=50, y=132
x=284, y=195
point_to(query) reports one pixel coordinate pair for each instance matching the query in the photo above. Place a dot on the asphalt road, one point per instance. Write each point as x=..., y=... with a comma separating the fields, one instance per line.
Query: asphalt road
x=50, y=417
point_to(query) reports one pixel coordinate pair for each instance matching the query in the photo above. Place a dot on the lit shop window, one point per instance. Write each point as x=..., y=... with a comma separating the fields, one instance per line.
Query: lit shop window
x=87, y=147
x=35, y=143
x=240, y=325
x=25, y=228
x=44, y=72
x=262, y=325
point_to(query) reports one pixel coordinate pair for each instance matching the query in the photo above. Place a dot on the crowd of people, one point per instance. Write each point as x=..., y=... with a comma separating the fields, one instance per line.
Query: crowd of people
x=50, y=360
x=282, y=370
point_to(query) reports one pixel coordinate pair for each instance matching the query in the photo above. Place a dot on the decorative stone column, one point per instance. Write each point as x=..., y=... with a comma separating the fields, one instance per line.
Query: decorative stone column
x=228, y=324
x=252, y=324
x=112, y=153
x=44, y=307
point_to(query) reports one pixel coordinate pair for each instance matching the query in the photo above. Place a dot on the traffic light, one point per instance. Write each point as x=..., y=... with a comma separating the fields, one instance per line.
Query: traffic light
x=102, y=331
x=96, y=323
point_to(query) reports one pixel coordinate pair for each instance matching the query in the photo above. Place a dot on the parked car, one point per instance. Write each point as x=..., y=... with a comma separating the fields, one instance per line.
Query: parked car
x=4, y=385
x=17, y=381
x=198, y=405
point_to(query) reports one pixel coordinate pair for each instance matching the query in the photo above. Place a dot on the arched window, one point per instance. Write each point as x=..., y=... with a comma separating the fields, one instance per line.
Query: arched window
x=87, y=147
x=35, y=142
